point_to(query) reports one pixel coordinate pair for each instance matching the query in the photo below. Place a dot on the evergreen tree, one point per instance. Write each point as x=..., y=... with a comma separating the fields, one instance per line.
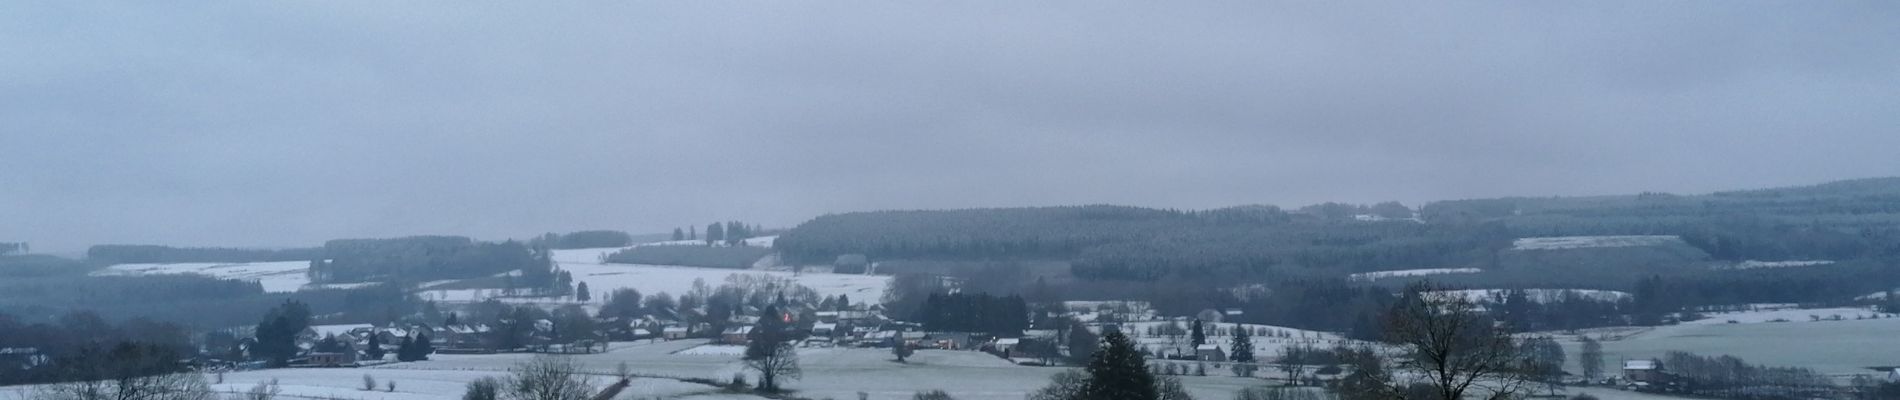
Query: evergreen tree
x=452, y=320
x=580, y=292
x=375, y=348
x=678, y=234
x=1242, y=346
x=277, y=332
x=715, y=233
x=1197, y=336
x=844, y=301
x=406, y=350
x=692, y=233
x=1082, y=343
x=1119, y=372
x=423, y=347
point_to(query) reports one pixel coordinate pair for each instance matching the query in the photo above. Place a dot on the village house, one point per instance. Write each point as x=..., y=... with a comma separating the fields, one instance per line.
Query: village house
x=1643, y=371
x=1210, y=352
x=22, y=358
x=343, y=359
x=673, y=333
x=824, y=330
x=737, y=335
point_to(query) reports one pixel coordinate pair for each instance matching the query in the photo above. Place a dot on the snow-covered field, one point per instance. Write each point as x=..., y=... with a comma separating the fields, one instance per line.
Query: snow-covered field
x=585, y=265
x=1585, y=242
x=1377, y=275
x=1539, y=295
x=1840, y=348
x=1753, y=264
x=838, y=373
x=277, y=277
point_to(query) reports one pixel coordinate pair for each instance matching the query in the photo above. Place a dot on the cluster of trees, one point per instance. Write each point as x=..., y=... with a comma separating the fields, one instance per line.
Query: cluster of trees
x=39, y=265
x=731, y=233
x=1731, y=377
x=1854, y=223
x=126, y=371
x=426, y=258
x=736, y=257
x=583, y=240
x=1127, y=243
x=14, y=247
x=1571, y=310
x=276, y=334
x=1003, y=316
x=1116, y=371
x=1833, y=221
x=140, y=253
x=82, y=344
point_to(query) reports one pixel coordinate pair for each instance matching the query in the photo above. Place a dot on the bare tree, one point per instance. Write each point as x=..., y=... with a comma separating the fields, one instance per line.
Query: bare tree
x=1062, y=386
x=176, y=386
x=265, y=390
x=548, y=378
x=486, y=388
x=1452, y=347
x=773, y=366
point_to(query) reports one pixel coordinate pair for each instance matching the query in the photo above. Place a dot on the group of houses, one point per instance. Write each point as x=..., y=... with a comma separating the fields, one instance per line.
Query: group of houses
x=350, y=345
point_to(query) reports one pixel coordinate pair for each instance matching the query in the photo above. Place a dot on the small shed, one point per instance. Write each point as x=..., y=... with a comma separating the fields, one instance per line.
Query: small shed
x=1210, y=352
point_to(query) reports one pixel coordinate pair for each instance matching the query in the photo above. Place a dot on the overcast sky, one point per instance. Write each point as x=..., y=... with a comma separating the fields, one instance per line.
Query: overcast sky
x=289, y=123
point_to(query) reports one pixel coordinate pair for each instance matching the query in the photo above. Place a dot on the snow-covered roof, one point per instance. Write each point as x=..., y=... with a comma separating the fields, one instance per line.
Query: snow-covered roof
x=674, y=329
x=1008, y=341
x=1639, y=364
x=1207, y=347
x=738, y=330
x=824, y=326
x=332, y=330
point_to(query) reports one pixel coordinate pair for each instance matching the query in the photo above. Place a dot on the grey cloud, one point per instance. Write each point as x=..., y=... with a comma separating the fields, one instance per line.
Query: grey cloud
x=288, y=124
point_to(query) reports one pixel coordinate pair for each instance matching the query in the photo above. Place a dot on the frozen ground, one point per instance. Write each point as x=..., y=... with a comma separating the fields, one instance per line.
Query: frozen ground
x=1541, y=295
x=1753, y=264
x=838, y=373
x=1585, y=242
x=1840, y=348
x=277, y=277
x=1373, y=276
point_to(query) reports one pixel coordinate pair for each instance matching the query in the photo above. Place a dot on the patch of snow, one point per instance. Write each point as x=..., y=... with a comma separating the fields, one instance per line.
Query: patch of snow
x=1753, y=264
x=1786, y=315
x=762, y=241
x=276, y=277
x=1538, y=295
x=321, y=286
x=1586, y=242
x=1377, y=275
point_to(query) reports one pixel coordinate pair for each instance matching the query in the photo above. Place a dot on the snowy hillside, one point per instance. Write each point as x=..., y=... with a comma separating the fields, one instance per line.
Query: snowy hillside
x=277, y=277
x=1586, y=242
x=586, y=266
x=1373, y=276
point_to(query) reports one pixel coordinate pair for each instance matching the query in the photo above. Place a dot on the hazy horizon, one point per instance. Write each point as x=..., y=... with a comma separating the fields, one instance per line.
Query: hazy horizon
x=287, y=124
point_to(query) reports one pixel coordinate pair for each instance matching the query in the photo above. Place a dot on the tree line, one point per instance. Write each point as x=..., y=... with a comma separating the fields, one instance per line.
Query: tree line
x=141, y=253
x=1003, y=316
x=427, y=258
x=583, y=239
